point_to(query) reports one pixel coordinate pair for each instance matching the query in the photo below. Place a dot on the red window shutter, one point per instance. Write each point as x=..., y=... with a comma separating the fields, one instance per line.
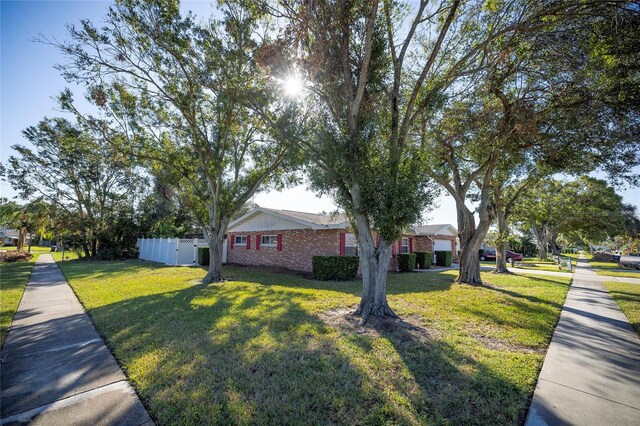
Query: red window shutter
x=258, y=242
x=394, y=248
x=410, y=245
x=343, y=247
x=279, y=242
x=233, y=240
x=248, y=242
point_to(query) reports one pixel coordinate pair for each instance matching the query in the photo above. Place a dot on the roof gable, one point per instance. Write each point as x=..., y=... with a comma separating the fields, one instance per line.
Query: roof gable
x=435, y=229
x=263, y=219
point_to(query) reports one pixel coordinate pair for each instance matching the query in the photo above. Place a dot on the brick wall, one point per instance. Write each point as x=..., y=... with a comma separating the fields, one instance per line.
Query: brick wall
x=298, y=248
x=423, y=243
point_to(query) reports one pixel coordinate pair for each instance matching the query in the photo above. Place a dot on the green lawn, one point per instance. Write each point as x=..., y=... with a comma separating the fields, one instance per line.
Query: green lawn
x=68, y=255
x=577, y=255
x=628, y=297
x=529, y=263
x=604, y=265
x=34, y=249
x=617, y=273
x=541, y=266
x=536, y=260
x=266, y=348
x=13, y=279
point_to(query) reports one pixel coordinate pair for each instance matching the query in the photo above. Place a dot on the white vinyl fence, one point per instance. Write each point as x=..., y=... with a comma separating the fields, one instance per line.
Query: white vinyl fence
x=174, y=251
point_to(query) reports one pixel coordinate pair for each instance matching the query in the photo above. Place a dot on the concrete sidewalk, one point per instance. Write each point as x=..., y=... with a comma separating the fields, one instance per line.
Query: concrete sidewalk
x=591, y=374
x=55, y=367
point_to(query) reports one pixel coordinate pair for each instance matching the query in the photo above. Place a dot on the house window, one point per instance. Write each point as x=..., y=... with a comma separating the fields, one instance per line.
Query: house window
x=241, y=240
x=350, y=245
x=269, y=240
x=404, y=248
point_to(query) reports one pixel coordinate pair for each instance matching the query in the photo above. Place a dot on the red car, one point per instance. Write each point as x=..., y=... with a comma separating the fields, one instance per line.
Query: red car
x=490, y=254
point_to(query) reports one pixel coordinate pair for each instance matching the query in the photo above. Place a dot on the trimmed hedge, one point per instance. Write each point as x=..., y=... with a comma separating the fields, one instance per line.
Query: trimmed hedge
x=423, y=259
x=335, y=267
x=406, y=262
x=203, y=256
x=443, y=258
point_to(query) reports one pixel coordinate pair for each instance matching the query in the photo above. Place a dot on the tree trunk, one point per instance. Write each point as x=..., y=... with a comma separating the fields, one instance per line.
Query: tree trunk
x=555, y=250
x=542, y=248
x=501, y=244
x=375, y=265
x=87, y=251
x=470, y=242
x=22, y=236
x=542, y=240
x=215, y=240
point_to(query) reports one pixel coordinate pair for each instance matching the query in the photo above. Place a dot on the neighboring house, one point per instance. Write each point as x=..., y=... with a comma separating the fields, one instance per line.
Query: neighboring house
x=290, y=239
x=436, y=238
x=9, y=237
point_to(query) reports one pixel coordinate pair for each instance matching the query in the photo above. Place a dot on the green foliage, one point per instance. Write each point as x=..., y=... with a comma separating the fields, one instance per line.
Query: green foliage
x=335, y=267
x=188, y=98
x=406, y=262
x=424, y=259
x=443, y=258
x=116, y=253
x=203, y=256
x=586, y=207
x=82, y=196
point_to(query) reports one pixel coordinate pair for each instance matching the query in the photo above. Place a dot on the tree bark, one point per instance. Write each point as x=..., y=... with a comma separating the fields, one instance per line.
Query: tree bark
x=470, y=242
x=375, y=265
x=215, y=240
x=501, y=245
x=542, y=240
x=555, y=250
x=22, y=237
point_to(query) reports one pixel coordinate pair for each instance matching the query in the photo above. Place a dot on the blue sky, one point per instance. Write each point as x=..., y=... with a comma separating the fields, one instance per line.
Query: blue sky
x=28, y=81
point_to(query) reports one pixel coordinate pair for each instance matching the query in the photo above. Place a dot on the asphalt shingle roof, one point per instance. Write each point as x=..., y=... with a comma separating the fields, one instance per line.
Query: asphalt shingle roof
x=317, y=218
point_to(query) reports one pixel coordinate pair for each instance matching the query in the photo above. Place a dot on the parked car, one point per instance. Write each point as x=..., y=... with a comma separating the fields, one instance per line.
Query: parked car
x=490, y=254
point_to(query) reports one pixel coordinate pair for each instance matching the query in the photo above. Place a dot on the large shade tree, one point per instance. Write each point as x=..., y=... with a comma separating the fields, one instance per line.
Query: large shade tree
x=587, y=207
x=537, y=107
x=90, y=186
x=369, y=68
x=187, y=99
x=30, y=218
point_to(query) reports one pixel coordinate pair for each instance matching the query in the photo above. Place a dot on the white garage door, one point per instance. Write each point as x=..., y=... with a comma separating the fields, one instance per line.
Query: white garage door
x=442, y=245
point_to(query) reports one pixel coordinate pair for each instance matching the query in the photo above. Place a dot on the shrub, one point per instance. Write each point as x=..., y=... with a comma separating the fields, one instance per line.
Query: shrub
x=203, y=256
x=335, y=267
x=423, y=259
x=14, y=256
x=116, y=253
x=443, y=258
x=406, y=262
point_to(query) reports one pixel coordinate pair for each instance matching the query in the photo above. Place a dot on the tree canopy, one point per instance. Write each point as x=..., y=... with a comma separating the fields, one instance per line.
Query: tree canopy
x=189, y=100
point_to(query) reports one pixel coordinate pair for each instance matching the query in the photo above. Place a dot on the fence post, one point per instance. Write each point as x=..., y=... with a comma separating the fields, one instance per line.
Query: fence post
x=195, y=252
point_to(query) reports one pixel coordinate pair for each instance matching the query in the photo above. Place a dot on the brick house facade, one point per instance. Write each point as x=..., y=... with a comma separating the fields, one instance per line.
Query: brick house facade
x=290, y=239
x=295, y=249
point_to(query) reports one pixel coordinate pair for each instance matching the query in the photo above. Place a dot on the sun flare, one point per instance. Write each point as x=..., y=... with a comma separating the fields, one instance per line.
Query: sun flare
x=292, y=86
